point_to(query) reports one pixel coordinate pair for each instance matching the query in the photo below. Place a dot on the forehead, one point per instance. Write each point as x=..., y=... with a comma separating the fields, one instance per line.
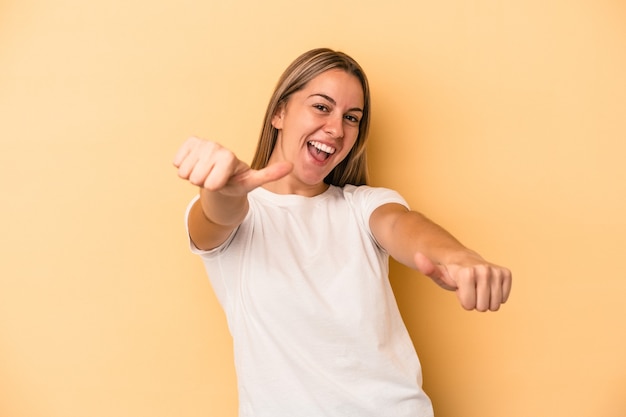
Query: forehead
x=338, y=84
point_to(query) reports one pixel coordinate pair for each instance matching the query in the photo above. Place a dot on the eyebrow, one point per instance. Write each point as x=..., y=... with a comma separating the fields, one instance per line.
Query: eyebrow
x=334, y=102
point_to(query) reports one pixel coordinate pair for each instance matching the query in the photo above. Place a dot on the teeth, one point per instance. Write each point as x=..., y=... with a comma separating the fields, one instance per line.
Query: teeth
x=322, y=147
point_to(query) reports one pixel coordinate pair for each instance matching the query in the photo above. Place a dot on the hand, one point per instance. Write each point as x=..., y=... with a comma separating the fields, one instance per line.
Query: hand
x=478, y=284
x=215, y=168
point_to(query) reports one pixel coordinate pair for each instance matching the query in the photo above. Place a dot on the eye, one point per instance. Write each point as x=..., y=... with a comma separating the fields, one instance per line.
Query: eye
x=321, y=107
x=351, y=118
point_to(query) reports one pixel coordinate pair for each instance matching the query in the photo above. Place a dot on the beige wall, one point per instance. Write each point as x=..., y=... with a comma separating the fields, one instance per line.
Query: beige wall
x=504, y=122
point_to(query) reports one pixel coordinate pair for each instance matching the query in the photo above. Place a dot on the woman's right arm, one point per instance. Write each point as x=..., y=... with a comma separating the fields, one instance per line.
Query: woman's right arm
x=208, y=231
x=224, y=183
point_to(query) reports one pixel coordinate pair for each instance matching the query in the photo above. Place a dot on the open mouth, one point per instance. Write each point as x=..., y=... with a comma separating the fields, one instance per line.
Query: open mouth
x=320, y=151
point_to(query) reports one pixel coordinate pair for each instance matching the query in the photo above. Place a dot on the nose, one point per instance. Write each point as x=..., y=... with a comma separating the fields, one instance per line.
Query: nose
x=334, y=127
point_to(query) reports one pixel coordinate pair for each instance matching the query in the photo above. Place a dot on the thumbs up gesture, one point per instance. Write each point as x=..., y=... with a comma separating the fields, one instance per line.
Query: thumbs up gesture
x=215, y=168
x=224, y=183
x=479, y=284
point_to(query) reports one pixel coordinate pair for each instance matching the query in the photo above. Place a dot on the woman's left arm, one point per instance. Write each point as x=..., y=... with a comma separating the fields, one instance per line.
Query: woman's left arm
x=417, y=242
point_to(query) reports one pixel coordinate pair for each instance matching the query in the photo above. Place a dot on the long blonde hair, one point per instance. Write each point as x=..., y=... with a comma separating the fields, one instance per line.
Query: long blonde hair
x=353, y=169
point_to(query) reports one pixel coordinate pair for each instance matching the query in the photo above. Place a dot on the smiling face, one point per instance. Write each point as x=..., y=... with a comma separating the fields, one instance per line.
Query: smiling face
x=317, y=127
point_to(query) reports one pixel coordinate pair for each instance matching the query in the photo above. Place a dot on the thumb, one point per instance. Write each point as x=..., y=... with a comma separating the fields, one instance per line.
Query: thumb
x=437, y=273
x=253, y=178
x=425, y=265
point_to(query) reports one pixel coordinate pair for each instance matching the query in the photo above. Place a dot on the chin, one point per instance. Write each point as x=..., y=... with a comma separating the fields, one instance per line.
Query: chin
x=310, y=178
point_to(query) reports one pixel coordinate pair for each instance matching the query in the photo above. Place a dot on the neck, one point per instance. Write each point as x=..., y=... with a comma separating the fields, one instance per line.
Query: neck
x=288, y=185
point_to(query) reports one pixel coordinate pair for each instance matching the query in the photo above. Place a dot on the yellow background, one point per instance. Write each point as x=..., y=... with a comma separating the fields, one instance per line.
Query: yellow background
x=503, y=121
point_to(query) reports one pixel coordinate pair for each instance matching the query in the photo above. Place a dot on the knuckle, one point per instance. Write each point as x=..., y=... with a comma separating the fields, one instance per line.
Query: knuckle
x=196, y=181
x=183, y=173
x=483, y=270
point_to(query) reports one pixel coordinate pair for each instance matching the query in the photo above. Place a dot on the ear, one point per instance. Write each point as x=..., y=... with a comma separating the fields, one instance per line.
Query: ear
x=277, y=119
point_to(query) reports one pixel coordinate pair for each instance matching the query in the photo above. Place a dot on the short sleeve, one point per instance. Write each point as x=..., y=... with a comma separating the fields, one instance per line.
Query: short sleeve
x=370, y=198
x=366, y=199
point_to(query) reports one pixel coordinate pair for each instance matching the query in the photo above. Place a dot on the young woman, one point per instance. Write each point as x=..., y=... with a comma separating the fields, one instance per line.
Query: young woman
x=296, y=246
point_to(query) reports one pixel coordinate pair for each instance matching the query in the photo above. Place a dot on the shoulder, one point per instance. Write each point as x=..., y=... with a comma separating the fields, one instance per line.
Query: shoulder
x=371, y=198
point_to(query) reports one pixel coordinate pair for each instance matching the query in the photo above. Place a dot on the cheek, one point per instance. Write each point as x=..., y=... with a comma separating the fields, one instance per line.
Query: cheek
x=299, y=126
x=351, y=137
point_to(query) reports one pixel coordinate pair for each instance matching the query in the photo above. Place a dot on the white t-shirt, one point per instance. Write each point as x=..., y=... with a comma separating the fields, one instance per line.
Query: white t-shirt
x=315, y=325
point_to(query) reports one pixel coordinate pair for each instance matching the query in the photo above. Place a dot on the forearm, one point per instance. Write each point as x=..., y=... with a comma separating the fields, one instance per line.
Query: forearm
x=405, y=233
x=222, y=209
x=214, y=216
x=418, y=234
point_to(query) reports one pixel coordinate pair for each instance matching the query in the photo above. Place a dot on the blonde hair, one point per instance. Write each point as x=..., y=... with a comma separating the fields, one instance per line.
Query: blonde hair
x=353, y=169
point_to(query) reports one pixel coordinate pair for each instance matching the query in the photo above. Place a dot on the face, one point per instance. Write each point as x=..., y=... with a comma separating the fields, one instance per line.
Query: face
x=317, y=128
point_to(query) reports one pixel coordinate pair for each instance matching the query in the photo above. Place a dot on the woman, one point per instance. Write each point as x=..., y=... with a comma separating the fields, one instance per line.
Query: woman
x=296, y=247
